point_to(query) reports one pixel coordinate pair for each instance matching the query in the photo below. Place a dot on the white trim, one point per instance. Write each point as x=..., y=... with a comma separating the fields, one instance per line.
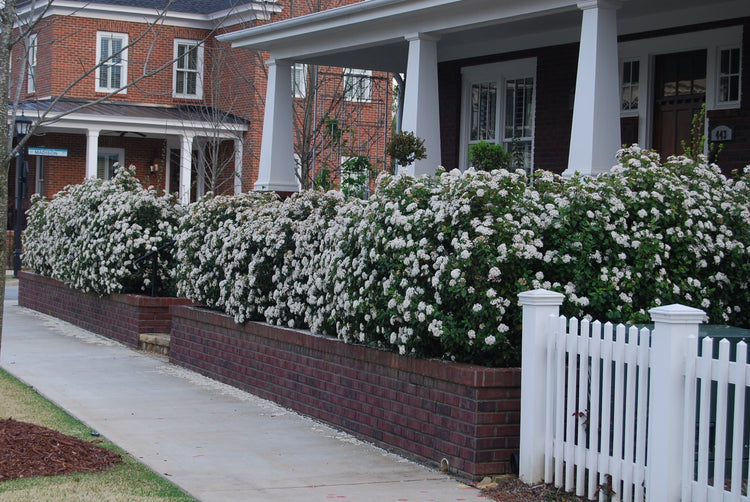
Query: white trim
x=645, y=50
x=123, y=55
x=499, y=72
x=33, y=52
x=727, y=105
x=198, y=47
x=240, y=14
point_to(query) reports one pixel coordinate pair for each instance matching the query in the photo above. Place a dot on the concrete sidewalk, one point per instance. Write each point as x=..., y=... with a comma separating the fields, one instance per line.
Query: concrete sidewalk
x=215, y=442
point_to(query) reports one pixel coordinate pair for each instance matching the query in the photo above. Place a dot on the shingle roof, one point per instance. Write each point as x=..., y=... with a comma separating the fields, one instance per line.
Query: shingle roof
x=115, y=109
x=191, y=6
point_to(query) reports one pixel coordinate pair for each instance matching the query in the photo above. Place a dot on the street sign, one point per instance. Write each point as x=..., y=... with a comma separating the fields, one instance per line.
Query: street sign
x=48, y=152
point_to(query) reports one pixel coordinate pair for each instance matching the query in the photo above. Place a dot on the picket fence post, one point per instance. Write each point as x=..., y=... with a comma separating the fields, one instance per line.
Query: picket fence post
x=673, y=325
x=538, y=305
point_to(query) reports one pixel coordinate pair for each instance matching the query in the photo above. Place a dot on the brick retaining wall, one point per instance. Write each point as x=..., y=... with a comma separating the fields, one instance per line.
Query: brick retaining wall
x=120, y=317
x=426, y=409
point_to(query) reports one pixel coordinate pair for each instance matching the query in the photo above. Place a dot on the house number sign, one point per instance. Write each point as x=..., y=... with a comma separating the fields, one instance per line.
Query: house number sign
x=721, y=133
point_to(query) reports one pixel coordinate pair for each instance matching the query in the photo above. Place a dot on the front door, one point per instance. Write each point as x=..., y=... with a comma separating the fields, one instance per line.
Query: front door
x=679, y=94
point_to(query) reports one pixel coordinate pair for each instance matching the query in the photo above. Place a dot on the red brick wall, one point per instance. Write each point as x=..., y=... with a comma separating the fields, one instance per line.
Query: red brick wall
x=120, y=317
x=426, y=409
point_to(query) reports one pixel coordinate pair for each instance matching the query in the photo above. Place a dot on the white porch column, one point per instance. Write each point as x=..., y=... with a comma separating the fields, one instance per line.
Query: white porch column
x=200, y=183
x=276, y=170
x=92, y=152
x=186, y=167
x=421, y=102
x=238, y=152
x=595, y=135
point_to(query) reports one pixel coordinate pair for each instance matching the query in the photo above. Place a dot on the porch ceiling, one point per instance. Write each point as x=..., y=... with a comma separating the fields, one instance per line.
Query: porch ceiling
x=370, y=34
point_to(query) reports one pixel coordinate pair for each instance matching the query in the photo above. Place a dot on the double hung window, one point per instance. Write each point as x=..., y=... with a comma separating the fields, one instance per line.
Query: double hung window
x=112, y=71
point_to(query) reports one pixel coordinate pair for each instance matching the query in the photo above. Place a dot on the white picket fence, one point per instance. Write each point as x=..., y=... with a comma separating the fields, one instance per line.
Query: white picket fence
x=628, y=414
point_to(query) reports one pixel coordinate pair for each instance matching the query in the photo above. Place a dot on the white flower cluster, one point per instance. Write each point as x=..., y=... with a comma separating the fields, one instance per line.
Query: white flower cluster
x=89, y=235
x=432, y=267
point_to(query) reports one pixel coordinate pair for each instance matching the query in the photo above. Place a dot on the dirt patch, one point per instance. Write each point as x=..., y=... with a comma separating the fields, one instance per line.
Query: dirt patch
x=28, y=450
x=512, y=489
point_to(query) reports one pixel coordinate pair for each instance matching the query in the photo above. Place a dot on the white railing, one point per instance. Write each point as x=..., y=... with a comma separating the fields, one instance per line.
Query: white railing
x=627, y=414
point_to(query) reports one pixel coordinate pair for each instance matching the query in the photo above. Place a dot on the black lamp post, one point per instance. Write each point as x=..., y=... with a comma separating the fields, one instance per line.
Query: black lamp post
x=22, y=127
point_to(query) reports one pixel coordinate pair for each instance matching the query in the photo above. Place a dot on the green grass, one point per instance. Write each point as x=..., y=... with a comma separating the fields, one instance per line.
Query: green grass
x=128, y=481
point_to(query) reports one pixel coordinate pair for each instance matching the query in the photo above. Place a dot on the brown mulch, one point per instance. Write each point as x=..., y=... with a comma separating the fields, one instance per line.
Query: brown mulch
x=512, y=489
x=28, y=450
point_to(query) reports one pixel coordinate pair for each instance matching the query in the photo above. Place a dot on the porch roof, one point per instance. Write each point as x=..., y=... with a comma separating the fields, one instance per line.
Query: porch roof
x=133, y=118
x=370, y=34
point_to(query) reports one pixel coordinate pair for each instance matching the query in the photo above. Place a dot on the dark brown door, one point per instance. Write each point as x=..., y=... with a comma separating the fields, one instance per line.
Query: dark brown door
x=680, y=91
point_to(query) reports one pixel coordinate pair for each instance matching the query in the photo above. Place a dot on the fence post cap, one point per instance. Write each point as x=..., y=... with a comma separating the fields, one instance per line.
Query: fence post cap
x=677, y=314
x=540, y=297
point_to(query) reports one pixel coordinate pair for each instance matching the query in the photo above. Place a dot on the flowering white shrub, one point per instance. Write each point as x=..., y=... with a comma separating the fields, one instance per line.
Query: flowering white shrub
x=432, y=267
x=648, y=234
x=89, y=235
x=249, y=255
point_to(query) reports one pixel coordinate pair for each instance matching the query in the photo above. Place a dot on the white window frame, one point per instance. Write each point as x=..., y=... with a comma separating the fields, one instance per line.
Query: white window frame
x=630, y=112
x=32, y=64
x=500, y=73
x=299, y=80
x=735, y=103
x=103, y=151
x=123, y=56
x=646, y=51
x=357, y=85
x=197, y=71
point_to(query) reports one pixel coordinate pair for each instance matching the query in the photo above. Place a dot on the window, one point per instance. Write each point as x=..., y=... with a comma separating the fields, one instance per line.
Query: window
x=299, y=80
x=498, y=108
x=188, y=69
x=107, y=162
x=729, y=76
x=31, y=82
x=483, y=111
x=630, y=85
x=112, y=73
x=518, y=130
x=357, y=85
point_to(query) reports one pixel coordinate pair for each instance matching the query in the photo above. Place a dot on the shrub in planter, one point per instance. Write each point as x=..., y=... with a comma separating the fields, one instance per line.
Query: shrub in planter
x=248, y=255
x=650, y=233
x=431, y=266
x=89, y=235
x=205, y=254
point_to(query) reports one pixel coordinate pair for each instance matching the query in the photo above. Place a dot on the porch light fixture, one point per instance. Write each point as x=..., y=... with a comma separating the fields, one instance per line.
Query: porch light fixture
x=155, y=165
x=22, y=127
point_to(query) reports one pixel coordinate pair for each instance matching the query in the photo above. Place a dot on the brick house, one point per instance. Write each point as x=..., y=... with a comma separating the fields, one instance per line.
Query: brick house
x=569, y=80
x=190, y=120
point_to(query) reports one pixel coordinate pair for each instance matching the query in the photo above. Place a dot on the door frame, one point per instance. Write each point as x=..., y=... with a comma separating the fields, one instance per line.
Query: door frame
x=645, y=50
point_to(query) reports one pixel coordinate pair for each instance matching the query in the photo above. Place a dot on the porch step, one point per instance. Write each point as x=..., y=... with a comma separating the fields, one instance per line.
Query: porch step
x=156, y=343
